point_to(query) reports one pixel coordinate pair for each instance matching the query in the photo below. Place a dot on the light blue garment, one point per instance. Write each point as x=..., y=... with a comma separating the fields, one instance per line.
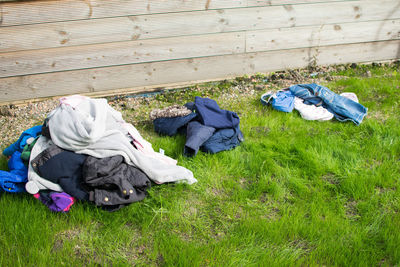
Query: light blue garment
x=343, y=109
x=283, y=101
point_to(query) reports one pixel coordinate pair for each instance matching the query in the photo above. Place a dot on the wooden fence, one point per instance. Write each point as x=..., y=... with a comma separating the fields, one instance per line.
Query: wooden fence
x=51, y=48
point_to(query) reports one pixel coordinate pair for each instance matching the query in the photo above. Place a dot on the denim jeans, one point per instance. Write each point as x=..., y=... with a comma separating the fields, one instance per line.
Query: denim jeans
x=343, y=108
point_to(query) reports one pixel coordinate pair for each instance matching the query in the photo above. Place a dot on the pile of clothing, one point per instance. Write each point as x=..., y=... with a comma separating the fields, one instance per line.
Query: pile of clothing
x=206, y=125
x=316, y=102
x=86, y=151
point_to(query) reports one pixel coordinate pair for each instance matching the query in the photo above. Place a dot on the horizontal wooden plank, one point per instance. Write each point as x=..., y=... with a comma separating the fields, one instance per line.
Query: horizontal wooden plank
x=148, y=75
x=314, y=36
x=21, y=13
x=82, y=32
x=111, y=54
x=66, y=10
x=286, y=2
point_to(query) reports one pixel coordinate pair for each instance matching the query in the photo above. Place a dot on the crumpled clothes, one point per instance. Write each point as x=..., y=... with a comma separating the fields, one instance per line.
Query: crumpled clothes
x=170, y=112
x=94, y=128
x=344, y=109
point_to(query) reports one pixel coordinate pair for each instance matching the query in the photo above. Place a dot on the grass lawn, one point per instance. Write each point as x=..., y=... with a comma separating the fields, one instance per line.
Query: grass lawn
x=295, y=192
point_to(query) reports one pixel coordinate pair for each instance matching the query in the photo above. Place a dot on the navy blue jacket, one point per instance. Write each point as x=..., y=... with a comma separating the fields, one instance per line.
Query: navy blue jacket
x=208, y=128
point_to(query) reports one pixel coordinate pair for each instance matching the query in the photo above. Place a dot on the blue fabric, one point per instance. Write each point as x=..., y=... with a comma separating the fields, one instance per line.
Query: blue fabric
x=266, y=98
x=196, y=135
x=14, y=180
x=343, y=109
x=208, y=128
x=211, y=115
x=21, y=142
x=170, y=126
x=283, y=101
x=223, y=139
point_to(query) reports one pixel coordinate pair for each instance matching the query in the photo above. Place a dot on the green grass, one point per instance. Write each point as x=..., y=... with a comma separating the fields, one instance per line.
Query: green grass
x=294, y=193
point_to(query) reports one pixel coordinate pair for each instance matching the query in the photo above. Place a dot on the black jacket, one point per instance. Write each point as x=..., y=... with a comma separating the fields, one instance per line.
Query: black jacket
x=113, y=183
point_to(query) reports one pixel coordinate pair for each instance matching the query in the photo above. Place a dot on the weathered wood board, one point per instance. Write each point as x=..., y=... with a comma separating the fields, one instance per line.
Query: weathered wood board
x=94, y=31
x=119, y=53
x=65, y=10
x=149, y=75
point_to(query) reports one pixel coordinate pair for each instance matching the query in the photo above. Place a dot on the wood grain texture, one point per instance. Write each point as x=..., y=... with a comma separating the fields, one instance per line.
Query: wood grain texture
x=22, y=13
x=150, y=75
x=83, y=32
x=286, y=2
x=65, y=10
x=323, y=35
x=111, y=54
x=120, y=53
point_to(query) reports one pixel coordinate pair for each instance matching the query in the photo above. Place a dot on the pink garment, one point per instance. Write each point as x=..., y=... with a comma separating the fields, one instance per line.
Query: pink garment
x=73, y=100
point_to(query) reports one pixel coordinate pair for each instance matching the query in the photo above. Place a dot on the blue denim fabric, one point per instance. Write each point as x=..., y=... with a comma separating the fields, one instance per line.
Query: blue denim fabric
x=196, y=135
x=21, y=142
x=343, y=109
x=14, y=180
x=283, y=101
x=210, y=114
x=223, y=139
x=170, y=126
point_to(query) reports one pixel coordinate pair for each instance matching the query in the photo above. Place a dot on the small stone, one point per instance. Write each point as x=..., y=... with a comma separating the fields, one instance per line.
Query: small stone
x=341, y=68
x=5, y=111
x=259, y=87
x=353, y=65
x=368, y=74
